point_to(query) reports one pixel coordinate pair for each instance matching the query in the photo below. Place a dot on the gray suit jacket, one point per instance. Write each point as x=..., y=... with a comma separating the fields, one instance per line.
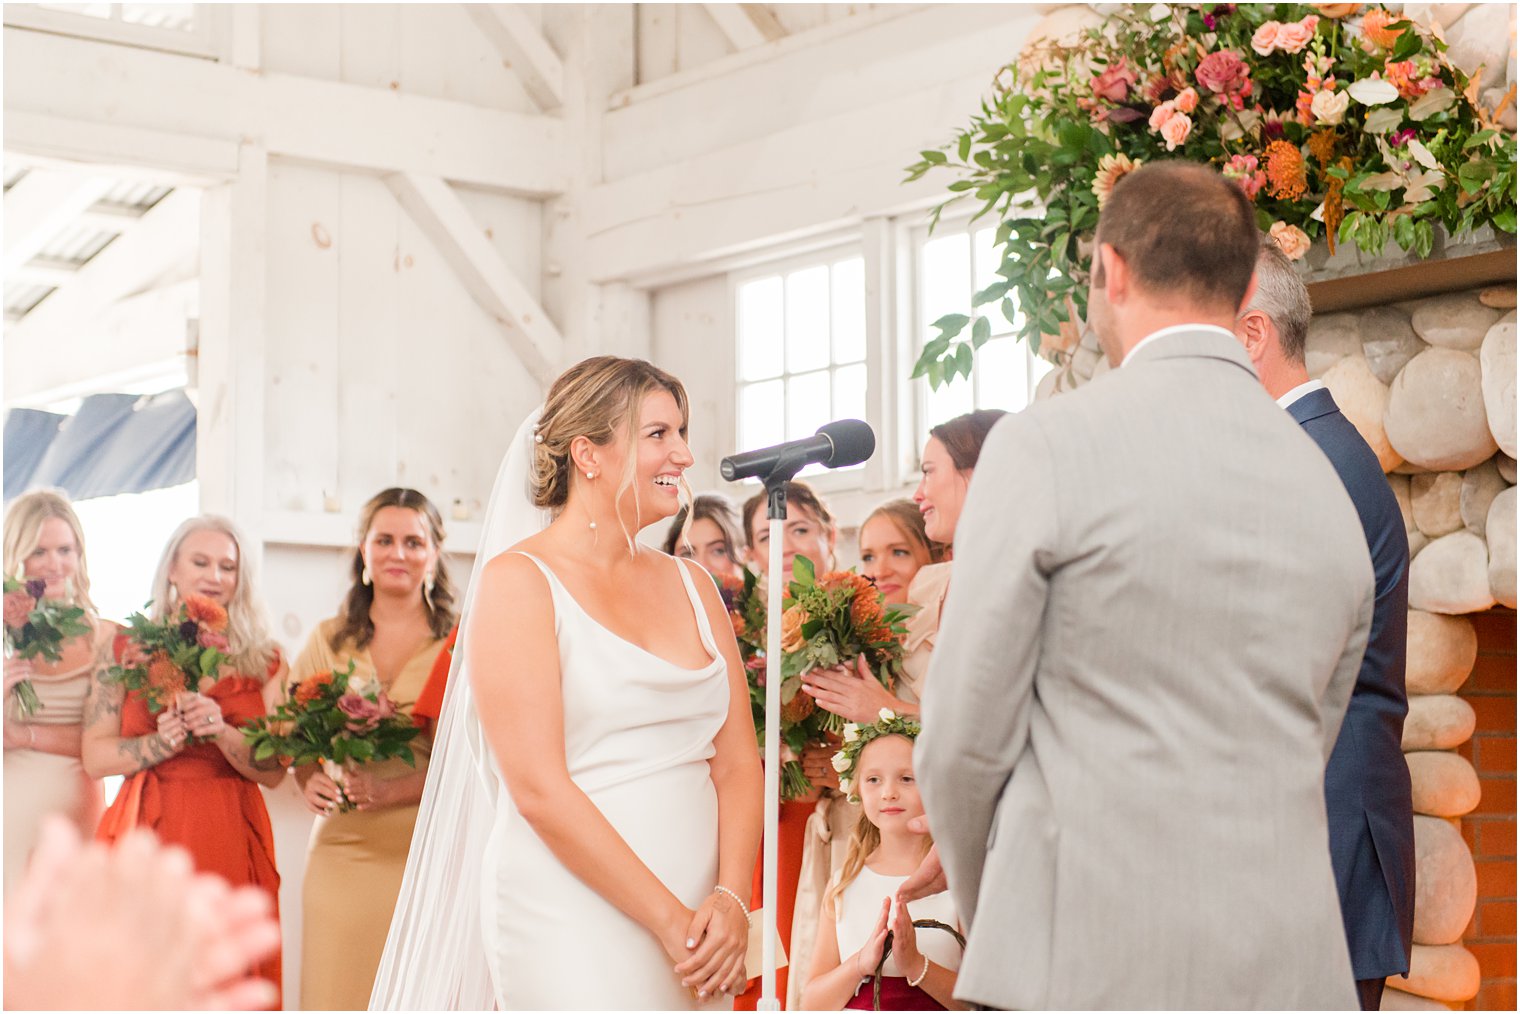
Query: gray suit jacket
x=1160, y=599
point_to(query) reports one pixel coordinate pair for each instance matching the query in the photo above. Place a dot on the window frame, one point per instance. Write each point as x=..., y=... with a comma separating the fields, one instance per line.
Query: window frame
x=206, y=40
x=870, y=475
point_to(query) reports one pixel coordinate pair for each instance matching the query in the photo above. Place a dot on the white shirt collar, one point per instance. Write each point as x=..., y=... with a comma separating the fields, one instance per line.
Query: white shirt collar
x=1174, y=329
x=1300, y=391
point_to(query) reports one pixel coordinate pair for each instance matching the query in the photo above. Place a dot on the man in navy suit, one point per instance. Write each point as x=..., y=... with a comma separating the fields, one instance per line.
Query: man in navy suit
x=1366, y=782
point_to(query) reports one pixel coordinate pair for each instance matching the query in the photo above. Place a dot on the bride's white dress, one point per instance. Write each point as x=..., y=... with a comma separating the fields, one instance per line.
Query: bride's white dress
x=639, y=732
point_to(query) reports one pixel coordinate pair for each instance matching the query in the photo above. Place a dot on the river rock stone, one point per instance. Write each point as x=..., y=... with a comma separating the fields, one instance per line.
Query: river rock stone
x=1451, y=575
x=1497, y=359
x=1441, y=652
x=1448, y=973
x=1388, y=341
x=1438, y=722
x=1454, y=321
x=1506, y=467
x=1446, y=883
x=1436, y=417
x=1501, y=547
x=1480, y=485
x=1442, y=784
x=1363, y=399
x=1436, y=500
x=1500, y=297
x=1332, y=337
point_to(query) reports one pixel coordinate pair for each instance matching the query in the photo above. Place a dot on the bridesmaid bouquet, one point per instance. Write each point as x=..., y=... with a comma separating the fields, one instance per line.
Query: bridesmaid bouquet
x=332, y=718
x=164, y=659
x=827, y=621
x=37, y=626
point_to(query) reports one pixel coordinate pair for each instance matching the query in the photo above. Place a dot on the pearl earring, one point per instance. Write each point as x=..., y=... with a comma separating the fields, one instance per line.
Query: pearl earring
x=591, y=475
x=366, y=578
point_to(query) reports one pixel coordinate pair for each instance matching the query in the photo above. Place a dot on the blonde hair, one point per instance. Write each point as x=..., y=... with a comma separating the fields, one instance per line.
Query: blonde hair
x=865, y=838
x=594, y=399
x=23, y=530
x=905, y=516
x=251, y=649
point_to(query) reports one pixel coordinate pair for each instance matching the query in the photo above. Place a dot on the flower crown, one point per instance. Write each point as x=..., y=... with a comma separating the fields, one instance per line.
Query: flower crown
x=888, y=723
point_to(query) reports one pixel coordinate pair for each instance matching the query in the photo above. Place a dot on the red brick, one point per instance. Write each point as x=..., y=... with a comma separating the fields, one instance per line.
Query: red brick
x=1496, y=714
x=1492, y=674
x=1496, y=960
x=1495, y=838
x=1496, y=996
x=1496, y=920
x=1496, y=880
x=1495, y=755
x=1496, y=629
x=1467, y=750
x=1498, y=795
x=1470, y=827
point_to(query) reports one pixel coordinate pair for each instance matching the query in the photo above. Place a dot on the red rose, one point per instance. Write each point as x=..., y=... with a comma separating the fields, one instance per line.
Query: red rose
x=1115, y=82
x=363, y=714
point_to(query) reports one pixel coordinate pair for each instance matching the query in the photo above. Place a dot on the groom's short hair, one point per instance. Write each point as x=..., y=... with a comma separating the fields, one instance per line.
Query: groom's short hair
x=1184, y=230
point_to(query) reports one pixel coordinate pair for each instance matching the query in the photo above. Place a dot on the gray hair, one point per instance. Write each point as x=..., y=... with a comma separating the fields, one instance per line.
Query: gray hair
x=1281, y=295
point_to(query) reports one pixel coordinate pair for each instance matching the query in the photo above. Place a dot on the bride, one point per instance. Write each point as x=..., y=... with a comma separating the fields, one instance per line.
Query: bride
x=590, y=830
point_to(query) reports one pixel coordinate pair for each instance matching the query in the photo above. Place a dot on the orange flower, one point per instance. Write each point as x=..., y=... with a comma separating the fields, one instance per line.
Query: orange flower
x=1375, y=33
x=798, y=708
x=739, y=624
x=865, y=611
x=310, y=688
x=1111, y=169
x=1334, y=11
x=791, y=628
x=1322, y=145
x=1287, y=177
x=1335, y=204
x=202, y=610
x=164, y=677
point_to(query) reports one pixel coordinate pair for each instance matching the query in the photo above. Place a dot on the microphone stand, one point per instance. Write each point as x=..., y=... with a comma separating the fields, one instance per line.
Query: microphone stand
x=775, y=511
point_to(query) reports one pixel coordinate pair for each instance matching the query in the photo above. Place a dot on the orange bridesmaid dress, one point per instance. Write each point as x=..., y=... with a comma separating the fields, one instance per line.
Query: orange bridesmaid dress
x=197, y=800
x=791, y=834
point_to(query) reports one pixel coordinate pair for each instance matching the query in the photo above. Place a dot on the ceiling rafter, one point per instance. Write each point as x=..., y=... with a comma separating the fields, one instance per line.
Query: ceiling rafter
x=746, y=26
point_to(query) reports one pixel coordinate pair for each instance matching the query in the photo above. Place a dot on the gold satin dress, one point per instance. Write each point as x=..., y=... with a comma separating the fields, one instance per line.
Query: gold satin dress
x=354, y=866
x=38, y=783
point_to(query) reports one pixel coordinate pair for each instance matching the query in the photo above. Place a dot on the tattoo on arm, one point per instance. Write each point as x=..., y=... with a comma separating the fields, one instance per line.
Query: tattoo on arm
x=145, y=751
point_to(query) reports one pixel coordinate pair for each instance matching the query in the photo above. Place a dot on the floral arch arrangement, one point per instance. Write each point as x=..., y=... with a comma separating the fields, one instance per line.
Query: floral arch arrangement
x=1341, y=121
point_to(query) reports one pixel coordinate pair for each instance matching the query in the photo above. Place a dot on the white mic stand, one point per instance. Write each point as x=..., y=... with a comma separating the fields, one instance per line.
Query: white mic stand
x=775, y=487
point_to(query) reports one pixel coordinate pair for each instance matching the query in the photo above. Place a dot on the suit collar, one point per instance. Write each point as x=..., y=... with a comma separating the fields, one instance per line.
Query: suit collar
x=1313, y=405
x=1191, y=341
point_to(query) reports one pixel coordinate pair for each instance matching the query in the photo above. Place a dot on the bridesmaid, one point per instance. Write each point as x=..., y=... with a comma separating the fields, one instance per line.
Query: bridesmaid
x=43, y=771
x=199, y=795
x=894, y=547
x=714, y=538
x=398, y=611
x=949, y=458
x=811, y=532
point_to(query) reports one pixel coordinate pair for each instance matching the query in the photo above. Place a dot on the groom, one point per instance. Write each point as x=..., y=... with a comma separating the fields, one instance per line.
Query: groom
x=1160, y=602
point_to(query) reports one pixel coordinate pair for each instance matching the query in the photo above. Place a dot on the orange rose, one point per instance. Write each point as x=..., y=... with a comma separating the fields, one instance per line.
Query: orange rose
x=310, y=688
x=791, y=628
x=203, y=611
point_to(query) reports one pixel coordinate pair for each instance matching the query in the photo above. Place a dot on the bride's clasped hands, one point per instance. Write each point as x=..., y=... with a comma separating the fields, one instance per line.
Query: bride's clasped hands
x=709, y=946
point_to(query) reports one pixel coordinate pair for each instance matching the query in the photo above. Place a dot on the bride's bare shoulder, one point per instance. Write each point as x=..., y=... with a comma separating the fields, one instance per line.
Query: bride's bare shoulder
x=513, y=573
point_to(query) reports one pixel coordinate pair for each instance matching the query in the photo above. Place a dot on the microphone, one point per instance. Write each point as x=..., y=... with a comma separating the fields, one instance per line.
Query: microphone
x=835, y=445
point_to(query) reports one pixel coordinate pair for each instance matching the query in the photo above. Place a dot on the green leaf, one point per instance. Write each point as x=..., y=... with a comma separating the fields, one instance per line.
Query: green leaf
x=803, y=570
x=1407, y=46
x=981, y=333
x=1504, y=220
x=963, y=356
x=934, y=157
x=992, y=292
x=965, y=147
x=1480, y=137
x=951, y=323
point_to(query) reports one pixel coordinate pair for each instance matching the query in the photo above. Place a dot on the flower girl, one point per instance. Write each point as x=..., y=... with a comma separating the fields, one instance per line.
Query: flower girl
x=859, y=924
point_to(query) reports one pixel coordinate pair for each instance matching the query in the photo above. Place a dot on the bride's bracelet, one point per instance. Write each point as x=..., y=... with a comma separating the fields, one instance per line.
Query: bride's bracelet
x=720, y=889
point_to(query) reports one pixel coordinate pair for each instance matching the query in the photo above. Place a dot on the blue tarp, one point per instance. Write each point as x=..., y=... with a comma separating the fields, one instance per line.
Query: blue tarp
x=115, y=443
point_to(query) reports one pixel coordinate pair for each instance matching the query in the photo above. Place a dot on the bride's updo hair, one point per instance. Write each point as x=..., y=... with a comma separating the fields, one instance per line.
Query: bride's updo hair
x=598, y=399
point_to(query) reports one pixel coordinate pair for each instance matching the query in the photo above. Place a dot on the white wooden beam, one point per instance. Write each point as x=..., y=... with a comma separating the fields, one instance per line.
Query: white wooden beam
x=97, y=102
x=44, y=271
x=158, y=240
x=523, y=48
x=42, y=204
x=745, y=26
x=485, y=275
x=131, y=152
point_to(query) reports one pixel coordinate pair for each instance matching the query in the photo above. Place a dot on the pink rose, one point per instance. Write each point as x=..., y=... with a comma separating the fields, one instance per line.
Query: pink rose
x=1265, y=39
x=1162, y=113
x=1223, y=73
x=1291, y=240
x=1186, y=100
x=1292, y=38
x=213, y=639
x=1115, y=82
x=1176, y=130
x=363, y=714
x=18, y=608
